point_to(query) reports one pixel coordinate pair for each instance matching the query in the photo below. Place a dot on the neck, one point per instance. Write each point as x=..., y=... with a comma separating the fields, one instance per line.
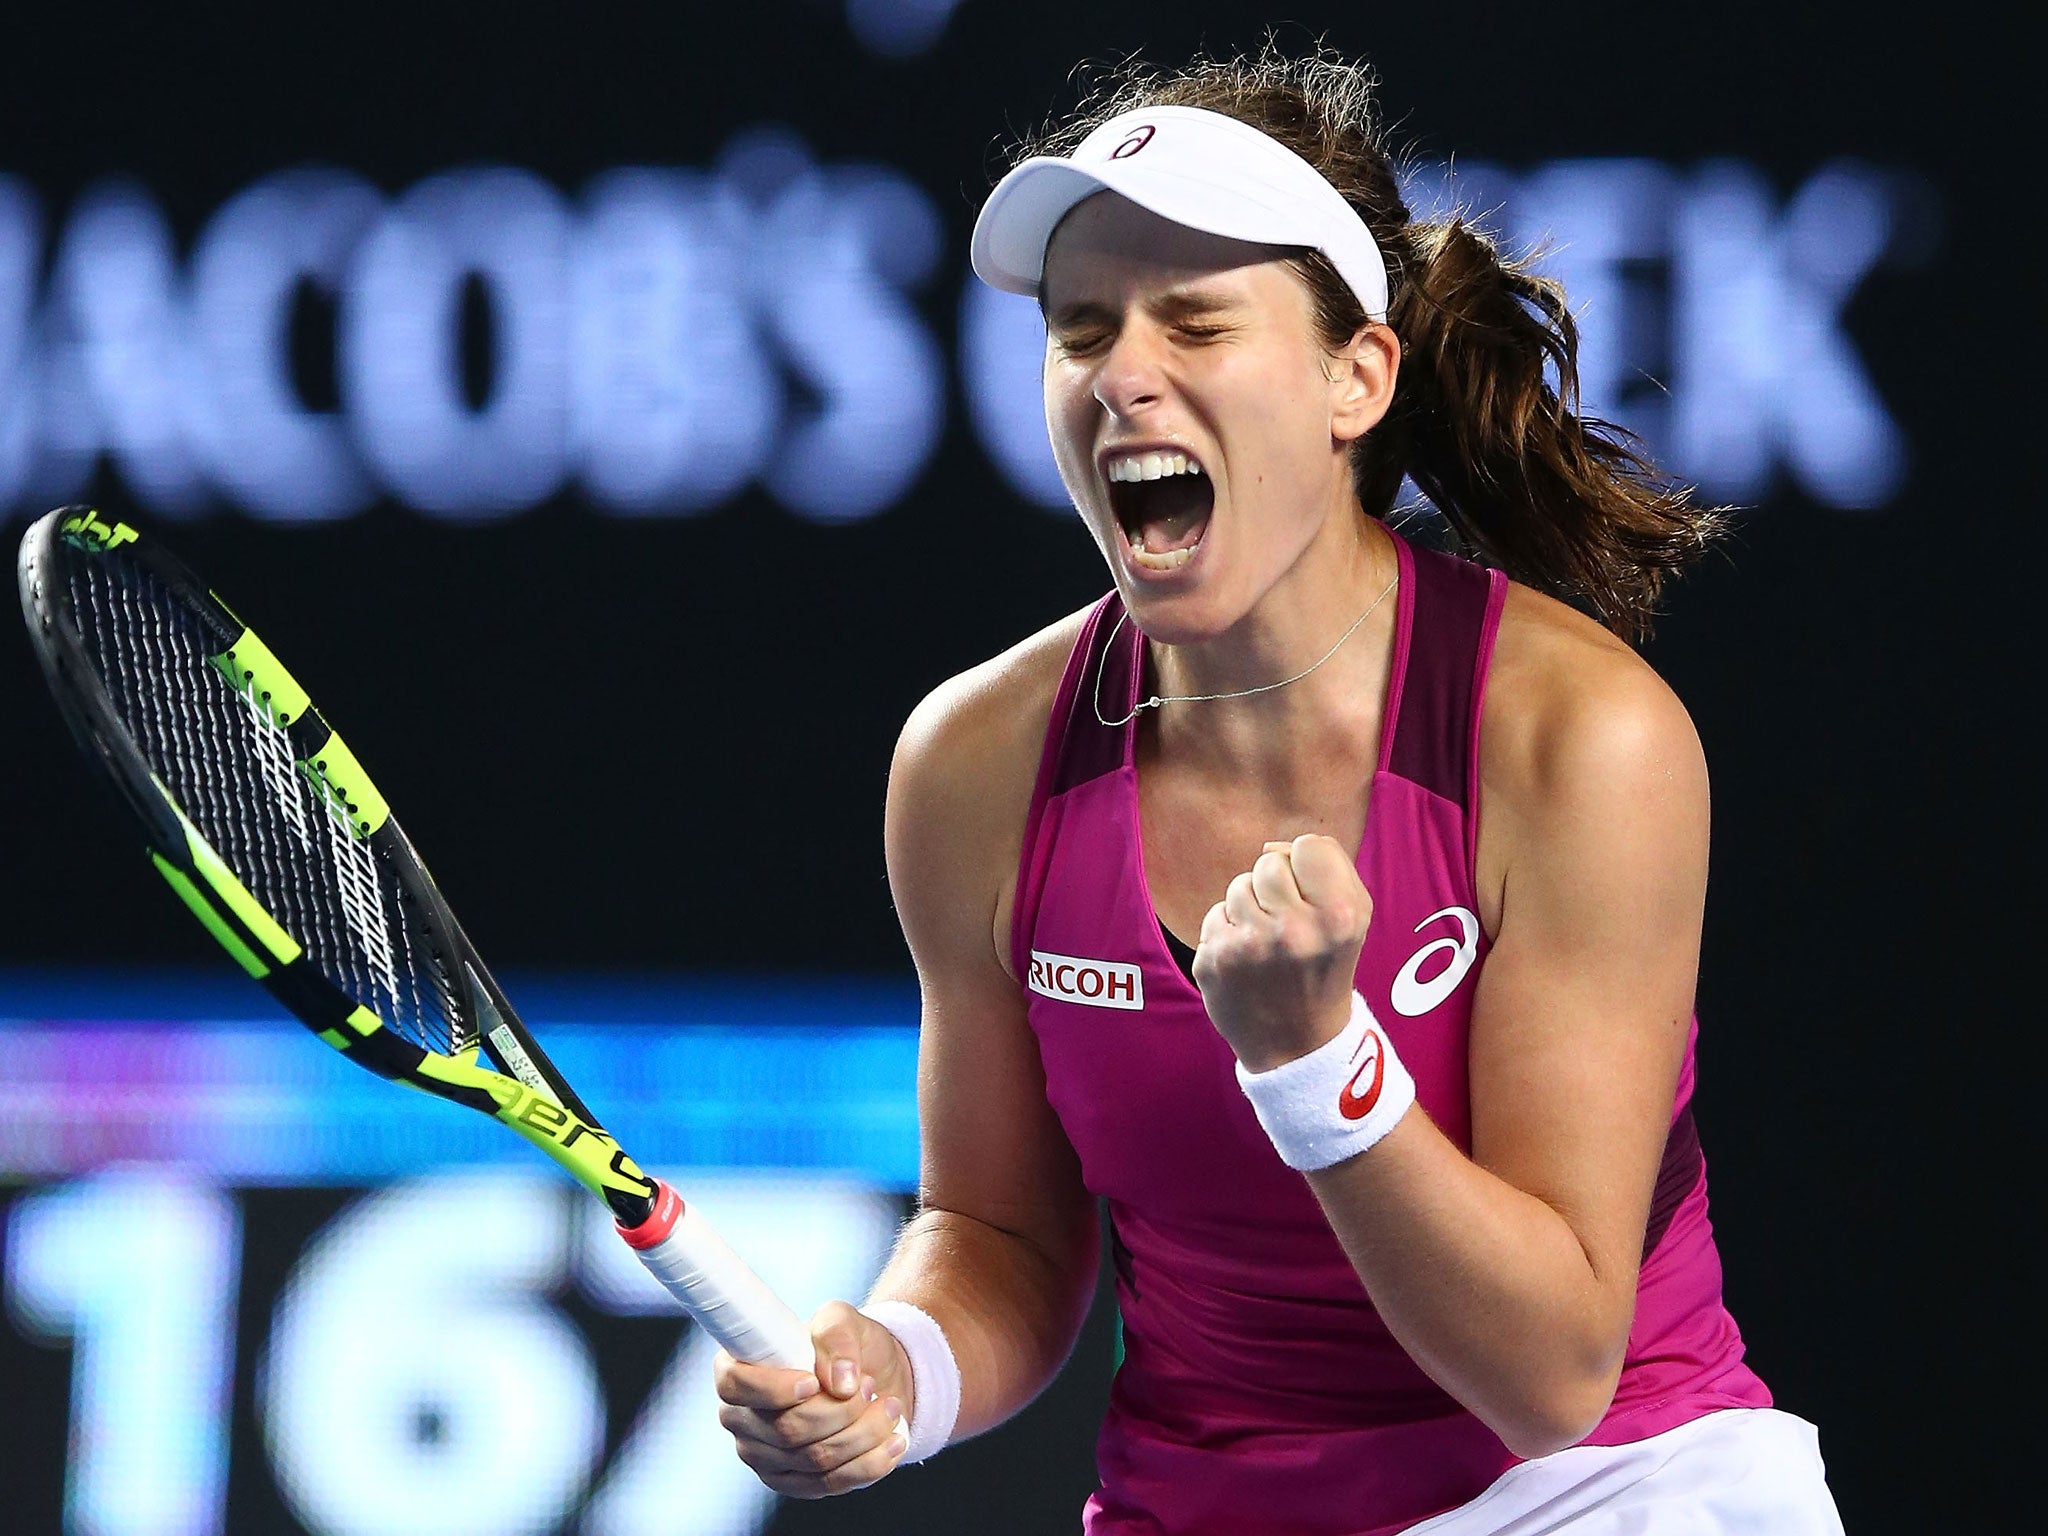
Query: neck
x=1293, y=627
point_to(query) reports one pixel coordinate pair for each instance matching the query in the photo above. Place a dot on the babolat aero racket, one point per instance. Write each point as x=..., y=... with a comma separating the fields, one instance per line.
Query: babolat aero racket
x=262, y=820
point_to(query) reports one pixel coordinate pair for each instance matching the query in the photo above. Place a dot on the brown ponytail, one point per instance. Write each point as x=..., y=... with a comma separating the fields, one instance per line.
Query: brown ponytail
x=1485, y=417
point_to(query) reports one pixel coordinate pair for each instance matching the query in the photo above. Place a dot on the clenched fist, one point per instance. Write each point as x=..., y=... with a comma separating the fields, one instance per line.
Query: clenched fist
x=1278, y=952
x=813, y=1434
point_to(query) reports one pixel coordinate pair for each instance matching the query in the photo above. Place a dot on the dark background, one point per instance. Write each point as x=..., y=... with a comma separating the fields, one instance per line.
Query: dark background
x=709, y=796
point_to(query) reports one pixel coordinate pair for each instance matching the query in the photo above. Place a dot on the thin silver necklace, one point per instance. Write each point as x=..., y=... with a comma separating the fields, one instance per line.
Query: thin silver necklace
x=1243, y=693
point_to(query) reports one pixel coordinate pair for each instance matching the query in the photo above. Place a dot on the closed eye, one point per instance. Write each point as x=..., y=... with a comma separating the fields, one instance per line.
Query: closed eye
x=1081, y=343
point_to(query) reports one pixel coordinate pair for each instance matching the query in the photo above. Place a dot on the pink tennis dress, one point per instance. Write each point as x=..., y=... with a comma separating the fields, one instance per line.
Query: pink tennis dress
x=1260, y=1392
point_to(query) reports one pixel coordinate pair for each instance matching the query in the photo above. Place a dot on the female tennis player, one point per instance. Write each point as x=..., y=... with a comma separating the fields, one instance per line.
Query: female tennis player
x=1329, y=906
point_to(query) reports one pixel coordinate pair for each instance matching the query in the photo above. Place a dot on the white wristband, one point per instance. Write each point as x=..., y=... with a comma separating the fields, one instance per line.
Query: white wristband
x=1337, y=1100
x=934, y=1375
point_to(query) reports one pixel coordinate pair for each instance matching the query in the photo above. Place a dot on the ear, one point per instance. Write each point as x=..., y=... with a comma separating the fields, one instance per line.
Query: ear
x=1362, y=375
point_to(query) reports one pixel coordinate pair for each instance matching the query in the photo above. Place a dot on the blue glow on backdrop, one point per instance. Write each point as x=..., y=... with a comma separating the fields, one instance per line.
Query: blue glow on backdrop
x=816, y=1076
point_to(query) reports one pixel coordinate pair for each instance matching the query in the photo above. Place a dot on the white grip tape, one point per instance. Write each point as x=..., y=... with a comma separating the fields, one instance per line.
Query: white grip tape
x=729, y=1301
x=1336, y=1101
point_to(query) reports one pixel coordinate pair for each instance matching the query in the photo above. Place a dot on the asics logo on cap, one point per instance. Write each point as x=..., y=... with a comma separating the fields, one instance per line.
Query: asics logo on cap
x=1091, y=983
x=1139, y=138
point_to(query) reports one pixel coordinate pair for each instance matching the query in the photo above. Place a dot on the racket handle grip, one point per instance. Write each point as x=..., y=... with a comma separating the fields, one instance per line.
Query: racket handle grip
x=728, y=1300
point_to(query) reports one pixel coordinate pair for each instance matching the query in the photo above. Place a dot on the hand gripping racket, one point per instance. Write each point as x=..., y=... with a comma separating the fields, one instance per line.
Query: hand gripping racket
x=262, y=820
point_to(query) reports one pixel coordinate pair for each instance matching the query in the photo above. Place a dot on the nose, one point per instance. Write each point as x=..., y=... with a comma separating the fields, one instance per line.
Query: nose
x=1132, y=374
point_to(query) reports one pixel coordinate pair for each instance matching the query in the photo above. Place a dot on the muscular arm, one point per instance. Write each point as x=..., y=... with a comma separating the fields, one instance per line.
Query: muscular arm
x=1510, y=1275
x=1003, y=1250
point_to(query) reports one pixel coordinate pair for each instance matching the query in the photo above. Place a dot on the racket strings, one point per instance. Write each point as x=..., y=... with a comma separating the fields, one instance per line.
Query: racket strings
x=280, y=774
x=362, y=904
x=231, y=768
x=438, y=988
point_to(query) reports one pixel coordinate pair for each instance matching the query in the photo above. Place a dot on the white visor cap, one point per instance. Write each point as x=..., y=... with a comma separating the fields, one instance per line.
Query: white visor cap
x=1193, y=167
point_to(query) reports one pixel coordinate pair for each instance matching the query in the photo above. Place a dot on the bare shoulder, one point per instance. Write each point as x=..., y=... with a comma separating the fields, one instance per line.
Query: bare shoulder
x=1577, y=726
x=974, y=740
x=960, y=787
x=1561, y=688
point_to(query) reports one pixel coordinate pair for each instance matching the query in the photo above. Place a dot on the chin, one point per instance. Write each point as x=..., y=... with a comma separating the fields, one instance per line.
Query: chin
x=1188, y=616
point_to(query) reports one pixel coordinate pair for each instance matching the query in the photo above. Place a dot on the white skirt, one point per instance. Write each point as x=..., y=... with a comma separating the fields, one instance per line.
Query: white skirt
x=1737, y=1472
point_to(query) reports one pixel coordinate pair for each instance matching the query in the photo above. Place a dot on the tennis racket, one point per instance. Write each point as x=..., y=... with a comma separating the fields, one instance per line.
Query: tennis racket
x=258, y=814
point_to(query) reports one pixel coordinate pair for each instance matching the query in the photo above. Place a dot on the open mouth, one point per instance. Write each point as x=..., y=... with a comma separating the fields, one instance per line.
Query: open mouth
x=1162, y=501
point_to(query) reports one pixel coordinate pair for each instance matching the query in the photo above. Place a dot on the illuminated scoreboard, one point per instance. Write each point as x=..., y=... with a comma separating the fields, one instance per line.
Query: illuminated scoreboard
x=287, y=1296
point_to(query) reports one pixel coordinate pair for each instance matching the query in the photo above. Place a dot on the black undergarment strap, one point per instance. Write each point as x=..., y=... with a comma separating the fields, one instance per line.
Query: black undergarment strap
x=1183, y=956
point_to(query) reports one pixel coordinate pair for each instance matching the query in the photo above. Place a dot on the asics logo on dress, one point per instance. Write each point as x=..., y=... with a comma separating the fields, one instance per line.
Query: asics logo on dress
x=1411, y=995
x=1091, y=983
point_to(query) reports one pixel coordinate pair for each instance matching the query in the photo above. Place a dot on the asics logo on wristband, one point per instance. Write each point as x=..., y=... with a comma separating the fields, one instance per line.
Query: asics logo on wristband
x=1411, y=996
x=1356, y=1073
x=1351, y=1103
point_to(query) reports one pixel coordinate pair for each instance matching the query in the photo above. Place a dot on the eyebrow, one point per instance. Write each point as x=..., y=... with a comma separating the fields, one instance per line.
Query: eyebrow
x=1194, y=304
x=1175, y=306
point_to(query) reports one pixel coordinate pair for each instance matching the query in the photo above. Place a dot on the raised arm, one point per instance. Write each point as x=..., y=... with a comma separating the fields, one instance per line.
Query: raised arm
x=1510, y=1275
